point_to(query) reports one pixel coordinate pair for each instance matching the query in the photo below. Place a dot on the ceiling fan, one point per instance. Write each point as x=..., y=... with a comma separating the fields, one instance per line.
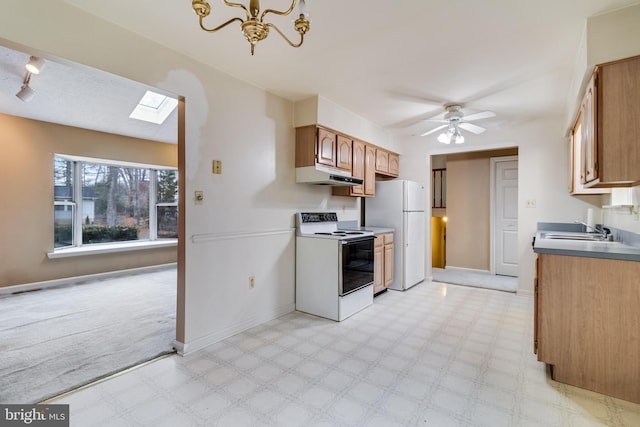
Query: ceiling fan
x=454, y=120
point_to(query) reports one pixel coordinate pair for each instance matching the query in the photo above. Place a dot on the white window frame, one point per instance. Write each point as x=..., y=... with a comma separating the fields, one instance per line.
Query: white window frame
x=78, y=248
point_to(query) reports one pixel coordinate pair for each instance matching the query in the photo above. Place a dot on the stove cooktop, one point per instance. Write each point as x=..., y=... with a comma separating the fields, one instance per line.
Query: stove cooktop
x=325, y=225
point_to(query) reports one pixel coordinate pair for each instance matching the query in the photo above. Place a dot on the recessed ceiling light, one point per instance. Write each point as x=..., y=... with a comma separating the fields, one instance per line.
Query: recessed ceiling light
x=154, y=108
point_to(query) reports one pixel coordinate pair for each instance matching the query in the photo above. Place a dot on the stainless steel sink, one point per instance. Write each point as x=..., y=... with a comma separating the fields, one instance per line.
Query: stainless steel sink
x=568, y=235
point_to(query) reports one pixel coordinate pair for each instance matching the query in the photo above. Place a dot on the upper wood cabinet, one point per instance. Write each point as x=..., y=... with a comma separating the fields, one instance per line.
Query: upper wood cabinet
x=317, y=145
x=343, y=153
x=363, y=167
x=357, y=171
x=394, y=164
x=579, y=145
x=386, y=163
x=382, y=161
x=369, y=171
x=326, y=147
x=610, y=125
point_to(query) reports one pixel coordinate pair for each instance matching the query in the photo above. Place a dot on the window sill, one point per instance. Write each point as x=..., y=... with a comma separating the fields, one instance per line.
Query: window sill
x=108, y=248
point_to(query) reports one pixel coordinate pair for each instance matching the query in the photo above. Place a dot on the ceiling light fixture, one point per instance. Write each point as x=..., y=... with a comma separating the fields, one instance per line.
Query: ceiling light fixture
x=26, y=92
x=253, y=26
x=35, y=64
x=452, y=134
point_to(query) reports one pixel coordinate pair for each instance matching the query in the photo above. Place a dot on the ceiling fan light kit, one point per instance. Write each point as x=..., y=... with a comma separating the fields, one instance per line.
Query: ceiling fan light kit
x=455, y=120
x=253, y=26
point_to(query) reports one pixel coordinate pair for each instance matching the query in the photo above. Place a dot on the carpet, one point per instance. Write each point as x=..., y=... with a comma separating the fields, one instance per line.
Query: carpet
x=476, y=279
x=57, y=339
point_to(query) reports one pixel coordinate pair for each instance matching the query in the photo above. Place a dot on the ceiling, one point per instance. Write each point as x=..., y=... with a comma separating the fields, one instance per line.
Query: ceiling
x=393, y=63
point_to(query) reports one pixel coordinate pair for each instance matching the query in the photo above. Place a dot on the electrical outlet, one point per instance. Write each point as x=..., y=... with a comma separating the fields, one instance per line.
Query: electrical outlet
x=252, y=282
x=531, y=203
x=198, y=197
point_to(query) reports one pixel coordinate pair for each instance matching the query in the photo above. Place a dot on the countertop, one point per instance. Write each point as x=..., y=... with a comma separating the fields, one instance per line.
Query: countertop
x=585, y=248
x=376, y=230
x=353, y=225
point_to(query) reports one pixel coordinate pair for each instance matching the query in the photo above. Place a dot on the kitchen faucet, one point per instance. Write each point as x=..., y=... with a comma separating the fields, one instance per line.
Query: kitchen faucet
x=604, y=232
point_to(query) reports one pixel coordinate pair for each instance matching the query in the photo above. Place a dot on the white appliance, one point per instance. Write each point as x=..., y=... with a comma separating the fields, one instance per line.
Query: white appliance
x=334, y=267
x=400, y=204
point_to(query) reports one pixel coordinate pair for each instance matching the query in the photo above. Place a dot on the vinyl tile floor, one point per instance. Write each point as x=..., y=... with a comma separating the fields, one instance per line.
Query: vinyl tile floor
x=435, y=355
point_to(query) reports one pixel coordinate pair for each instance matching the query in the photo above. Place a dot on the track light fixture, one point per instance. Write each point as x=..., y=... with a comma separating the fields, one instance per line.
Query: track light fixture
x=253, y=26
x=26, y=93
x=35, y=64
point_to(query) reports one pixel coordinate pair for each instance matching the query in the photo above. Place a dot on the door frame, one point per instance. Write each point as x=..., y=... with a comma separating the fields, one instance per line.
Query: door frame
x=492, y=209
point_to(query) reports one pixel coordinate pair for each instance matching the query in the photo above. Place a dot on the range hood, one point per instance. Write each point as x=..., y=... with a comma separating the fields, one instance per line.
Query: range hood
x=324, y=175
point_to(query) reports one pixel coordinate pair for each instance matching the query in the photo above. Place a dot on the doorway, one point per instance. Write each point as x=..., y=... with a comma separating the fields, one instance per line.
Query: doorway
x=470, y=211
x=135, y=277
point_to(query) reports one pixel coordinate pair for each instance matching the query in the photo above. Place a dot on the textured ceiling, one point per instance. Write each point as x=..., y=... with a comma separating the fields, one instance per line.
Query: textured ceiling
x=79, y=96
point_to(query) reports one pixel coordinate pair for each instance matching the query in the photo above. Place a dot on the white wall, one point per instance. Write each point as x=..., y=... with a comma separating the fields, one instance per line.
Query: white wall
x=543, y=155
x=320, y=110
x=245, y=225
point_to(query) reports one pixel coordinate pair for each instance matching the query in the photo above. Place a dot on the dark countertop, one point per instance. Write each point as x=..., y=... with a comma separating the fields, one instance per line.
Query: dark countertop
x=619, y=250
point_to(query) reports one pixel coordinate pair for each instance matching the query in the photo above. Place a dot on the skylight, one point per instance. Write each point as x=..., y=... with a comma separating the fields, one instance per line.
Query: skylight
x=154, y=108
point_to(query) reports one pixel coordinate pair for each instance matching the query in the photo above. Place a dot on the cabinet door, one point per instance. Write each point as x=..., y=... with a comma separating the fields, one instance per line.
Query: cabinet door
x=588, y=116
x=618, y=122
x=370, y=171
x=357, y=166
x=382, y=161
x=577, y=169
x=388, y=264
x=326, y=147
x=394, y=164
x=343, y=153
x=378, y=266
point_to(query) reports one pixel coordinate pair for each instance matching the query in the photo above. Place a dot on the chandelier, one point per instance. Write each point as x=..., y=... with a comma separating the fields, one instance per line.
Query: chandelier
x=253, y=26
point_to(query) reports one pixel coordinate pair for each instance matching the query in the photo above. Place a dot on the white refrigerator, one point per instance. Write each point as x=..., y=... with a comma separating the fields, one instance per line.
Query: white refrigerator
x=400, y=204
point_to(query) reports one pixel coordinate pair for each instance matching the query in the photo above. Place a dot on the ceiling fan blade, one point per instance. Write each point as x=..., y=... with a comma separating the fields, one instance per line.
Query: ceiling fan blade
x=471, y=128
x=436, y=120
x=433, y=130
x=478, y=116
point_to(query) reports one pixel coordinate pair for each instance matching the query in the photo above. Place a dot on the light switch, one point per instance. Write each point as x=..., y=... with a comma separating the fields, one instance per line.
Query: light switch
x=217, y=166
x=531, y=203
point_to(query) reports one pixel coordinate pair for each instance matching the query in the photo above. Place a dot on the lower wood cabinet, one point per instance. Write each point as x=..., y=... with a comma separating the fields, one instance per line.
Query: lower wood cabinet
x=383, y=257
x=587, y=323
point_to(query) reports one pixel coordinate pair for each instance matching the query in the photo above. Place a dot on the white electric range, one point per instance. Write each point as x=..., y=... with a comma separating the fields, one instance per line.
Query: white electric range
x=334, y=267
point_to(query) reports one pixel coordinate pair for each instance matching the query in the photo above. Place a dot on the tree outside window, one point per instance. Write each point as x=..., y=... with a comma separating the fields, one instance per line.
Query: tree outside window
x=112, y=203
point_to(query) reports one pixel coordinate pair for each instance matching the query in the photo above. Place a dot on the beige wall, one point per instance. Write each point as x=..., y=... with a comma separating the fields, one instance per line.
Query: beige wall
x=469, y=209
x=26, y=221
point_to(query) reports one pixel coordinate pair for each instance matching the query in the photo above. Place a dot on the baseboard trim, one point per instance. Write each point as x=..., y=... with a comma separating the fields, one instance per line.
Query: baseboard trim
x=185, y=349
x=469, y=270
x=15, y=289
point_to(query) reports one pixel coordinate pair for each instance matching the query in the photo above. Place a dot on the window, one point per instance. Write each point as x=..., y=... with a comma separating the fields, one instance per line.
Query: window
x=439, y=190
x=100, y=202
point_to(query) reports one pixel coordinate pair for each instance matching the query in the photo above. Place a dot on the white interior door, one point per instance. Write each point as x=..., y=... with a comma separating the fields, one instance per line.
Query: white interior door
x=506, y=217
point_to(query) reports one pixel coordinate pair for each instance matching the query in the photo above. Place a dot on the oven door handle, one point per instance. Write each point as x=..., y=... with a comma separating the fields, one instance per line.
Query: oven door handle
x=360, y=239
